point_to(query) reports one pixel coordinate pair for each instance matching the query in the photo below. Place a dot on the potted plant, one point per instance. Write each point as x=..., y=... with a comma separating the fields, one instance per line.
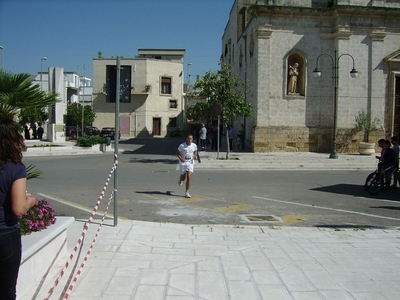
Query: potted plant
x=365, y=124
x=147, y=88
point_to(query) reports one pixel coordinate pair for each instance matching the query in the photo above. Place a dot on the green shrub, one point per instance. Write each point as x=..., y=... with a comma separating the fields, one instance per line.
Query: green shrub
x=89, y=141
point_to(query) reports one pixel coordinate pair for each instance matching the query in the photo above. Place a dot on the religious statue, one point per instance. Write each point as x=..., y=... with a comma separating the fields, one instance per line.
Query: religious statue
x=293, y=73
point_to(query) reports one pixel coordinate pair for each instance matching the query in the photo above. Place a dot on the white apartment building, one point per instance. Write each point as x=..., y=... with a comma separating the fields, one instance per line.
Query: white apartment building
x=77, y=88
x=71, y=88
x=151, y=93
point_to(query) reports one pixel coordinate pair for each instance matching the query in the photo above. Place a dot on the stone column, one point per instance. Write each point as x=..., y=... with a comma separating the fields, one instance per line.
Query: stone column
x=55, y=128
x=376, y=88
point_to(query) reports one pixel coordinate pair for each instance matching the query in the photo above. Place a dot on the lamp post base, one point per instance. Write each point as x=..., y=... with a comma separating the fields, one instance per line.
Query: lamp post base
x=333, y=155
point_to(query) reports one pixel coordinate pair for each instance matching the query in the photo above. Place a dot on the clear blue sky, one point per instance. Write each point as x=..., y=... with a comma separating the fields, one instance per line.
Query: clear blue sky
x=70, y=32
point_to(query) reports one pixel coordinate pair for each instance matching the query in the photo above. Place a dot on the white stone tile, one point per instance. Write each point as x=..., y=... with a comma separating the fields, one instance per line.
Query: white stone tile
x=173, y=251
x=273, y=291
x=183, y=282
x=336, y=295
x=232, y=259
x=187, y=268
x=237, y=273
x=211, y=264
x=121, y=286
x=154, y=276
x=322, y=280
x=306, y=296
x=369, y=296
x=266, y=277
x=212, y=285
x=297, y=282
x=239, y=290
x=180, y=298
x=169, y=265
x=93, y=277
x=147, y=292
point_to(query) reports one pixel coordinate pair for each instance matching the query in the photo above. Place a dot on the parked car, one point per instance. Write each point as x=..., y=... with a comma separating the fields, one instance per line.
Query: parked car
x=91, y=130
x=109, y=132
x=72, y=132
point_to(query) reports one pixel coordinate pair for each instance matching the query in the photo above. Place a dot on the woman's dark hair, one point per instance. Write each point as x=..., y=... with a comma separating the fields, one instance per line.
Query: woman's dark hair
x=11, y=142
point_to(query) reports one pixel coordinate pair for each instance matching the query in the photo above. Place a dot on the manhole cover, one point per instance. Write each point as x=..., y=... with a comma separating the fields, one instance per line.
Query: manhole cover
x=262, y=218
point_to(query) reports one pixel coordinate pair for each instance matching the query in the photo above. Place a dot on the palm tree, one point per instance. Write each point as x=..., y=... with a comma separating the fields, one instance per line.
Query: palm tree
x=17, y=91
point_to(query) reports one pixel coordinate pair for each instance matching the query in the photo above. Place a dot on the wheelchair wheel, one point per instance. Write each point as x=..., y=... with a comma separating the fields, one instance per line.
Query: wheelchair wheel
x=374, y=183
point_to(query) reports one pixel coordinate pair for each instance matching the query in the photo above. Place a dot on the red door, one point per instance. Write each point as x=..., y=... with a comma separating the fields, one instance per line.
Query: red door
x=156, y=126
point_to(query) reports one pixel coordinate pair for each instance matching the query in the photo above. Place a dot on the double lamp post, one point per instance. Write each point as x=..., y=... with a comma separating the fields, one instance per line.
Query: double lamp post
x=335, y=76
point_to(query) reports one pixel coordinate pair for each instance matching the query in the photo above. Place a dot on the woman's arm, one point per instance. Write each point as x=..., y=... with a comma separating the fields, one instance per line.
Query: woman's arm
x=21, y=202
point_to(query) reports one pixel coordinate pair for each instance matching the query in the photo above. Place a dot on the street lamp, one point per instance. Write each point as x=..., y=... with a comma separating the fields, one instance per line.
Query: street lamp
x=2, y=58
x=41, y=71
x=335, y=76
x=188, y=65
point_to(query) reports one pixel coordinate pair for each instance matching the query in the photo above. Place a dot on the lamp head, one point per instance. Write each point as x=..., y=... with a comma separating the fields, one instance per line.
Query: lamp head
x=316, y=73
x=1, y=47
x=44, y=58
x=353, y=73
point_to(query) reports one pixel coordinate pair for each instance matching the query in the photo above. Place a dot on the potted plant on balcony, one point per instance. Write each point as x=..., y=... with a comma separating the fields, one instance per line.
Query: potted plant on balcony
x=365, y=124
x=147, y=88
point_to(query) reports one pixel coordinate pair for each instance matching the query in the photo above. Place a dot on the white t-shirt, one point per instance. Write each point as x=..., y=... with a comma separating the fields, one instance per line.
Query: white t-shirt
x=187, y=151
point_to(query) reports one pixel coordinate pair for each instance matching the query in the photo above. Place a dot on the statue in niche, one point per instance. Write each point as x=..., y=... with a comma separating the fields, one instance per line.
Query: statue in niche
x=293, y=73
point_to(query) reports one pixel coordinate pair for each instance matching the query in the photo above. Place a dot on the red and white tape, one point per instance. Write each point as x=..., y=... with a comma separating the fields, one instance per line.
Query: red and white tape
x=85, y=228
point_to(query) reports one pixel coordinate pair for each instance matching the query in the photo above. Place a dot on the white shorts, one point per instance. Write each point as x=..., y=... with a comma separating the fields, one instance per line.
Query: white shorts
x=186, y=166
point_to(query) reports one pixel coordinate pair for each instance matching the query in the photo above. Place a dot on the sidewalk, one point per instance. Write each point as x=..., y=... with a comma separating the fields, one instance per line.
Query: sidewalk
x=166, y=261
x=236, y=160
x=151, y=261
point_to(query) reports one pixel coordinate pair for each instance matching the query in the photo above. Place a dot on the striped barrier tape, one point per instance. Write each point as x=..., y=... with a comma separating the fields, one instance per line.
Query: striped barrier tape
x=85, y=228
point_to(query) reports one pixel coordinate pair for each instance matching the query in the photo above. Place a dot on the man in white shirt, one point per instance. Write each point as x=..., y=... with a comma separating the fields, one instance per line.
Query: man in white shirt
x=187, y=154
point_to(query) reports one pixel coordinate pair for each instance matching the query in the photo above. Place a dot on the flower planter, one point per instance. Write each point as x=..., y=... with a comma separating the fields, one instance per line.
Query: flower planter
x=40, y=251
x=366, y=148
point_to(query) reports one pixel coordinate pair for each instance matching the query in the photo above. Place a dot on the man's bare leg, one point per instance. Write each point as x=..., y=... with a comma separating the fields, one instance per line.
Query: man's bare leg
x=189, y=180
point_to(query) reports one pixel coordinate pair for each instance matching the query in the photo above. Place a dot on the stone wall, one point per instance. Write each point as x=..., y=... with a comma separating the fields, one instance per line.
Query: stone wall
x=304, y=139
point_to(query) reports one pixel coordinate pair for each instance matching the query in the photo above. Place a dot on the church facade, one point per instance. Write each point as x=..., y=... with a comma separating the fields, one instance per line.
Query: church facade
x=278, y=47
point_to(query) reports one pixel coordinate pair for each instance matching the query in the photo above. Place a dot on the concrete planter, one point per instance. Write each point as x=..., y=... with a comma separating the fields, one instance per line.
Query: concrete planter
x=40, y=251
x=366, y=148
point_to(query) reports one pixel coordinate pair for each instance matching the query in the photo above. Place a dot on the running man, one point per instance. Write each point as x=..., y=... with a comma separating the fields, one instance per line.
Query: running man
x=187, y=154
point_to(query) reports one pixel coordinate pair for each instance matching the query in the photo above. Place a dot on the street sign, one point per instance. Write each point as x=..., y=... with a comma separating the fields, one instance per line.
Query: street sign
x=218, y=109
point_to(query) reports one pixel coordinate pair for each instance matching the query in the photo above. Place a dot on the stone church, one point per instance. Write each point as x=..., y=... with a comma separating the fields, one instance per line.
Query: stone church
x=279, y=47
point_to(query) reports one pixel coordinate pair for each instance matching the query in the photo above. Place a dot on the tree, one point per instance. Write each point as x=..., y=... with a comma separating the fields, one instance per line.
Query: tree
x=220, y=87
x=74, y=111
x=18, y=92
x=32, y=115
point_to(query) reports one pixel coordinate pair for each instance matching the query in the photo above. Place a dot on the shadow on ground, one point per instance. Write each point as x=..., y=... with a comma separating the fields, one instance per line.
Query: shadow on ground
x=166, y=193
x=154, y=161
x=358, y=191
x=159, y=146
x=354, y=227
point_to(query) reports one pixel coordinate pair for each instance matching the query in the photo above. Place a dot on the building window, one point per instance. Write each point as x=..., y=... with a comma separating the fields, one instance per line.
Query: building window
x=173, y=104
x=166, y=85
x=125, y=84
x=172, y=122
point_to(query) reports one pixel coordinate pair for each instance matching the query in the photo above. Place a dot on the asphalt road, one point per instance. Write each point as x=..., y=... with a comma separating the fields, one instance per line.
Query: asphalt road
x=148, y=190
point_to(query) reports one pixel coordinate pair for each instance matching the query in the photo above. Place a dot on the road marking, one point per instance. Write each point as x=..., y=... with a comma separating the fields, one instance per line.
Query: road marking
x=77, y=205
x=236, y=207
x=293, y=219
x=328, y=208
